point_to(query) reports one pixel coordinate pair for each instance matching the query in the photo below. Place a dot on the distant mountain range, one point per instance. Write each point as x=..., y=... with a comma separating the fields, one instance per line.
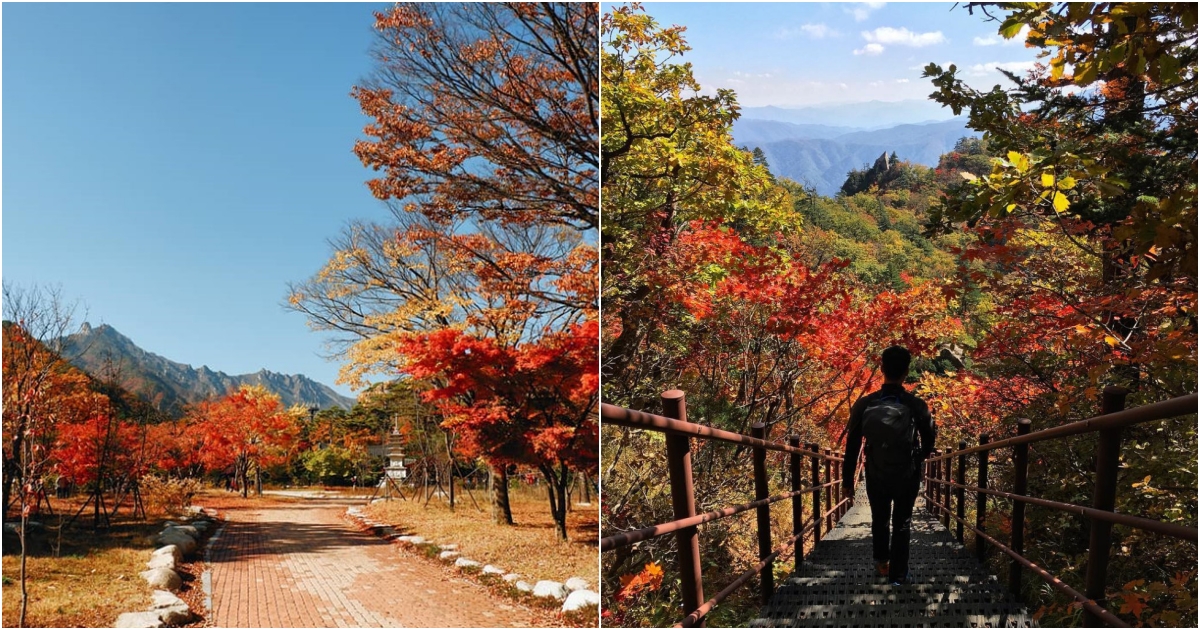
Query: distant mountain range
x=171, y=386
x=820, y=155
x=864, y=115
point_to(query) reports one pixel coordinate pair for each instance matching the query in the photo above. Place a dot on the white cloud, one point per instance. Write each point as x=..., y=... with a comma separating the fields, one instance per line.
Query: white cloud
x=903, y=37
x=992, y=40
x=863, y=10
x=815, y=31
x=818, y=31
x=752, y=75
x=869, y=49
x=984, y=69
x=901, y=80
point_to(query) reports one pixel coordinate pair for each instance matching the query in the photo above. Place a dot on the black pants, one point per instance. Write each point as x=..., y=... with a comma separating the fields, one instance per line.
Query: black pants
x=892, y=502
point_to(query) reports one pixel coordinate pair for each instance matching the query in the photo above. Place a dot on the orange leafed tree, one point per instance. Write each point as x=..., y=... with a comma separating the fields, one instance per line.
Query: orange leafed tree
x=530, y=404
x=246, y=430
x=483, y=129
x=486, y=110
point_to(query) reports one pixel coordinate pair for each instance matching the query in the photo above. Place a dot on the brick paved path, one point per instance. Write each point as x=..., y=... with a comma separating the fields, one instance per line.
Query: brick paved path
x=301, y=565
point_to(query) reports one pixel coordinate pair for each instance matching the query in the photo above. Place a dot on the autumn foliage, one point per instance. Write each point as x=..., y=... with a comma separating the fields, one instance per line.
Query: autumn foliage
x=244, y=431
x=1030, y=270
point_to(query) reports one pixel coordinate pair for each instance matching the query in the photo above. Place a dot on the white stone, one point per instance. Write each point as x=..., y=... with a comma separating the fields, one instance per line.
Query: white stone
x=463, y=563
x=511, y=577
x=523, y=586
x=139, y=620
x=174, y=615
x=576, y=584
x=580, y=599
x=164, y=561
x=548, y=588
x=449, y=547
x=169, y=550
x=412, y=540
x=186, y=529
x=172, y=610
x=185, y=543
x=162, y=578
x=492, y=570
x=165, y=599
x=447, y=555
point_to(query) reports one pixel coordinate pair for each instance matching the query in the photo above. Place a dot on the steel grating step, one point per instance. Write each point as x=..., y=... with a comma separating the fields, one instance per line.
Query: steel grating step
x=837, y=586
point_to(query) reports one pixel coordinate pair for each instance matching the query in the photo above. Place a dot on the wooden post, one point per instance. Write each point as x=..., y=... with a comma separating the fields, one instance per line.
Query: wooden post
x=816, y=500
x=1108, y=456
x=683, y=501
x=946, y=491
x=828, y=492
x=935, y=475
x=797, y=500
x=962, y=481
x=1020, y=486
x=981, y=499
x=761, y=491
x=928, y=489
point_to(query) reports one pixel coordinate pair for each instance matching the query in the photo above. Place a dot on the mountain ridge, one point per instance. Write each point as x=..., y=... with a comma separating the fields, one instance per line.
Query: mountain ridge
x=823, y=159
x=172, y=386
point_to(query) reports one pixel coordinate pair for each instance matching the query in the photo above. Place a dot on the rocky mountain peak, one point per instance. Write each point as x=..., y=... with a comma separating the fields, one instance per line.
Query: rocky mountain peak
x=172, y=386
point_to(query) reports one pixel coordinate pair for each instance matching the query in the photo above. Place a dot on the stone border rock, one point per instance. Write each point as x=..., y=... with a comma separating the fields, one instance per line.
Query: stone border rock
x=177, y=540
x=574, y=594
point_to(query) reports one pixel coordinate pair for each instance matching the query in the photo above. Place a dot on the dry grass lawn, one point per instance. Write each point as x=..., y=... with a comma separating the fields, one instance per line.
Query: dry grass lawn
x=529, y=547
x=94, y=579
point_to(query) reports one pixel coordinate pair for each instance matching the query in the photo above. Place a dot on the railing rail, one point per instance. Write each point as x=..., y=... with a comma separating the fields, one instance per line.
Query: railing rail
x=679, y=433
x=1102, y=515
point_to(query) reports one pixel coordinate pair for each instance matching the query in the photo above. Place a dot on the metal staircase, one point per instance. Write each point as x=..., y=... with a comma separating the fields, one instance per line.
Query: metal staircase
x=837, y=586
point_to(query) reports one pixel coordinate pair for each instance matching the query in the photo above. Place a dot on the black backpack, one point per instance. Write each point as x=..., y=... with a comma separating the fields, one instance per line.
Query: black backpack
x=891, y=434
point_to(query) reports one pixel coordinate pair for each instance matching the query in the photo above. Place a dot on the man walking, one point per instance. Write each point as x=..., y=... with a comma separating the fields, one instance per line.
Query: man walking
x=890, y=420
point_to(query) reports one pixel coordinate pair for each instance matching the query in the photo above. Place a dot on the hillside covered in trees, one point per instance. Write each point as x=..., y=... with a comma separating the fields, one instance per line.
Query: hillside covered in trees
x=1027, y=271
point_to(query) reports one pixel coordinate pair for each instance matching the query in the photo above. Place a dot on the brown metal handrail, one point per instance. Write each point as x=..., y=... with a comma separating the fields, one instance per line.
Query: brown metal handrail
x=679, y=432
x=624, y=539
x=612, y=414
x=1114, y=417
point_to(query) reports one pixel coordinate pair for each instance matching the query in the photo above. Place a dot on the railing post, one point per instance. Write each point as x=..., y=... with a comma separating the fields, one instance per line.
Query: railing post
x=816, y=481
x=761, y=491
x=1020, y=486
x=1108, y=456
x=797, y=501
x=683, y=501
x=962, y=481
x=935, y=475
x=828, y=492
x=981, y=499
x=946, y=477
x=928, y=486
x=837, y=487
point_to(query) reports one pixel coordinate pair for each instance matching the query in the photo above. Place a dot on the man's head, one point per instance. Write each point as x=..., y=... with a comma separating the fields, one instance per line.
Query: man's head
x=894, y=363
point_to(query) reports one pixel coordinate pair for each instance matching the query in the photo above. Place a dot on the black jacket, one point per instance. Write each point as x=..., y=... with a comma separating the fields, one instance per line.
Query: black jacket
x=854, y=434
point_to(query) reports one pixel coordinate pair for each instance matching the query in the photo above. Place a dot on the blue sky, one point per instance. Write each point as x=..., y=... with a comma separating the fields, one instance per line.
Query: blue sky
x=790, y=54
x=174, y=166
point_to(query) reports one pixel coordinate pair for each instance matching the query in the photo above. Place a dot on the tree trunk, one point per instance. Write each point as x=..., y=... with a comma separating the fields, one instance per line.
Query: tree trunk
x=556, y=489
x=450, y=473
x=257, y=480
x=501, y=509
x=243, y=477
x=587, y=489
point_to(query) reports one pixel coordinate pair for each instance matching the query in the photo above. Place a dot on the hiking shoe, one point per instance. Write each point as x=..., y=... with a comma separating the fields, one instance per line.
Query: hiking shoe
x=907, y=579
x=881, y=567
